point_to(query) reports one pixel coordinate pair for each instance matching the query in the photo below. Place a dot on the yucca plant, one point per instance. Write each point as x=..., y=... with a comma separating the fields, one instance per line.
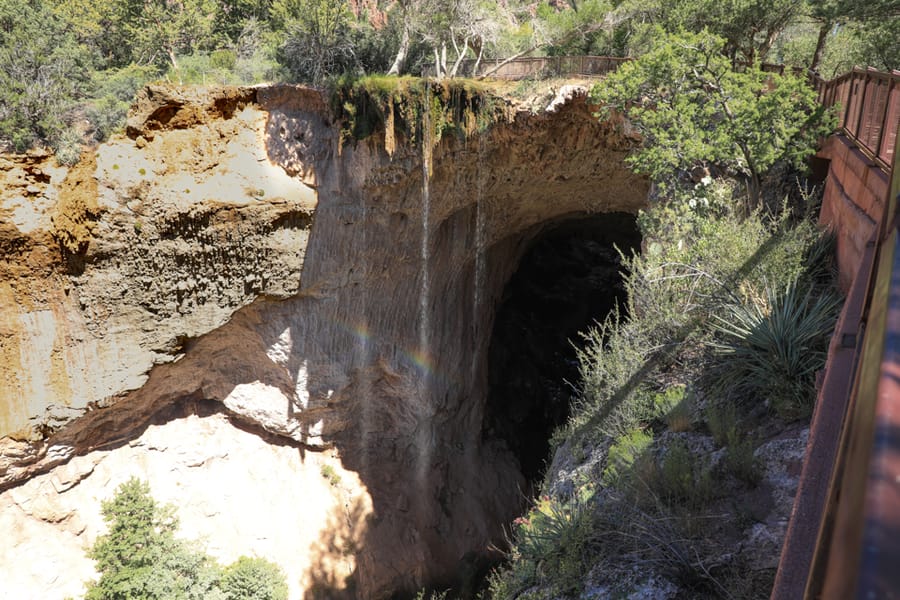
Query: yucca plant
x=773, y=351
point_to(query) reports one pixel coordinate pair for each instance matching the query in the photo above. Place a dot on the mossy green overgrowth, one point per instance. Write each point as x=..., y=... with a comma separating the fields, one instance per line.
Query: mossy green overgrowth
x=330, y=475
x=623, y=453
x=414, y=110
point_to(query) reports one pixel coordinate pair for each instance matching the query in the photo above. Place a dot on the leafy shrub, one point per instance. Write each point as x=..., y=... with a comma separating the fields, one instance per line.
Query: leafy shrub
x=42, y=74
x=67, y=147
x=114, y=90
x=223, y=59
x=773, y=350
x=254, y=579
x=318, y=44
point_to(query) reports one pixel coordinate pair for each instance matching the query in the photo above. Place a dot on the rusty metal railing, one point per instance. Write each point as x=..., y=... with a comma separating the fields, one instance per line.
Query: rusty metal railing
x=859, y=556
x=869, y=109
x=843, y=540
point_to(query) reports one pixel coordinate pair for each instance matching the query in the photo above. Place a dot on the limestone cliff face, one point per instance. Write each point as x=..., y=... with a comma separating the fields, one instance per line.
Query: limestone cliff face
x=233, y=262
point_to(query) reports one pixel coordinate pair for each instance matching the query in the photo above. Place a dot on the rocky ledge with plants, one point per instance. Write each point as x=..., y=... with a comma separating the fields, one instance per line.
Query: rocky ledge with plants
x=675, y=475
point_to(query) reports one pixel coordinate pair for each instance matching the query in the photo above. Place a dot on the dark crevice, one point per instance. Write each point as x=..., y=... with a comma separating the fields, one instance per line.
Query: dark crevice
x=570, y=278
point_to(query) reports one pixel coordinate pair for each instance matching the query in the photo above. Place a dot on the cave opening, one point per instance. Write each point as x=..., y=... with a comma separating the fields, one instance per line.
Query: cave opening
x=569, y=278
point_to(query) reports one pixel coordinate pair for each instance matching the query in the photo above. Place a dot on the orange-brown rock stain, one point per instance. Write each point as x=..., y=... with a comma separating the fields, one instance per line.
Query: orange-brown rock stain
x=77, y=210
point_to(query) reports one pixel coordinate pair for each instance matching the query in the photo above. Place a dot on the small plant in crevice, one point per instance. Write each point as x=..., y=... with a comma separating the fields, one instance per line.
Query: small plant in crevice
x=741, y=462
x=723, y=422
x=673, y=408
x=550, y=547
x=726, y=425
x=330, y=475
x=678, y=477
x=623, y=453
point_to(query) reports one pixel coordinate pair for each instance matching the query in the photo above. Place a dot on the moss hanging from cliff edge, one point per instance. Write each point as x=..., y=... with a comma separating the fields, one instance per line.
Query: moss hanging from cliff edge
x=402, y=108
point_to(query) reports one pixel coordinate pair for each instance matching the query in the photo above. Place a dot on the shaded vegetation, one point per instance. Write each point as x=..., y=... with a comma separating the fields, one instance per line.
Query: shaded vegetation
x=664, y=435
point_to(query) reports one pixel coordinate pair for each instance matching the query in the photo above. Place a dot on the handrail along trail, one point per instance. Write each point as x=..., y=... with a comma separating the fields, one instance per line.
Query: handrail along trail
x=843, y=540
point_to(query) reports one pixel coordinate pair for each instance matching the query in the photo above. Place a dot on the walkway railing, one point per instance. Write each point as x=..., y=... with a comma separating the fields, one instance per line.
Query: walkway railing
x=869, y=109
x=843, y=540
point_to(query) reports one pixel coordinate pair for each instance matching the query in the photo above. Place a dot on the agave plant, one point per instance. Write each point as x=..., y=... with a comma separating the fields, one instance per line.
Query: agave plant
x=772, y=350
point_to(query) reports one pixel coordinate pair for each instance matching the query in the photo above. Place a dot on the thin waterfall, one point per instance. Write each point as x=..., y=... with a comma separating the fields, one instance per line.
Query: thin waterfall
x=480, y=226
x=424, y=433
x=363, y=337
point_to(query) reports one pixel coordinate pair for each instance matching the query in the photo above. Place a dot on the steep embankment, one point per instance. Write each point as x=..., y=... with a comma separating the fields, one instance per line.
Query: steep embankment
x=234, y=301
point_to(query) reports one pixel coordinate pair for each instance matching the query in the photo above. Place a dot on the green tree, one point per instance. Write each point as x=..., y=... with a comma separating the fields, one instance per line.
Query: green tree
x=254, y=579
x=164, y=29
x=693, y=109
x=43, y=71
x=750, y=27
x=140, y=556
x=232, y=16
x=317, y=42
x=878, y=22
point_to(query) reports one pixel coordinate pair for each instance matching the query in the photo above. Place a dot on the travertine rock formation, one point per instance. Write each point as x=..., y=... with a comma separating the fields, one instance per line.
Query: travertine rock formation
x=234, y=263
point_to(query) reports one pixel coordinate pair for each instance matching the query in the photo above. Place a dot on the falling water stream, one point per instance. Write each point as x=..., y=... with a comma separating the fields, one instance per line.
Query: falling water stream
x=364, y=349
x=424, y=432
x=480, y=226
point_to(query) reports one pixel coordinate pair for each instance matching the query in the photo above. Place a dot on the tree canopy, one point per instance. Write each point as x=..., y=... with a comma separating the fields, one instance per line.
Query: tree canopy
x=68, y=61
x=695, y=110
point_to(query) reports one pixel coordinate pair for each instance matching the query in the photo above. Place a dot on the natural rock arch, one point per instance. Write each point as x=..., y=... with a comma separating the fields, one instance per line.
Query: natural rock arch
x=382, y=355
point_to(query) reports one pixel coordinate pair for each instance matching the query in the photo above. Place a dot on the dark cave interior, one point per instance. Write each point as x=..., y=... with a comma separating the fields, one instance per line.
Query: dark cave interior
x=569, y=278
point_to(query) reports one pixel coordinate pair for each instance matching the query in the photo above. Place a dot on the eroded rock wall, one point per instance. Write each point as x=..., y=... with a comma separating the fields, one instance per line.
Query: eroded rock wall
x=191, y=260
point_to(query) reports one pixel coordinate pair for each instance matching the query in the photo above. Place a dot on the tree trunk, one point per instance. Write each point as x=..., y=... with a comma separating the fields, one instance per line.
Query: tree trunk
x=820, y=46
x=402, y=52
x=478, y=58
x=754, y=191
x=460, y=55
